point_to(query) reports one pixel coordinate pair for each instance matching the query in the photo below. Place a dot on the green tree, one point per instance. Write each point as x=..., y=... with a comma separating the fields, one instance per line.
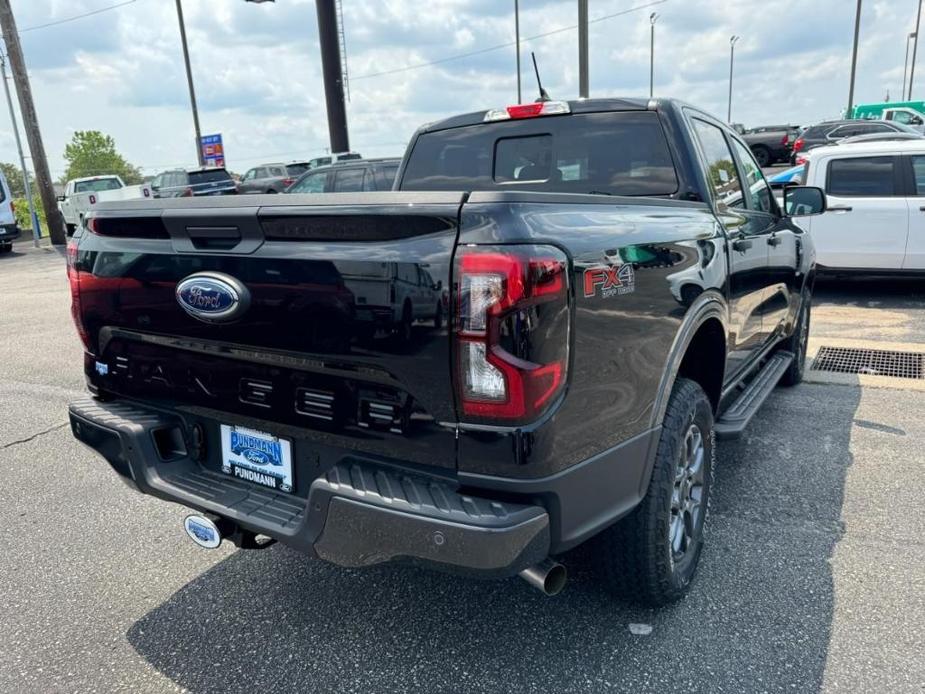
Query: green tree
x=13, y=176
x=92, y=153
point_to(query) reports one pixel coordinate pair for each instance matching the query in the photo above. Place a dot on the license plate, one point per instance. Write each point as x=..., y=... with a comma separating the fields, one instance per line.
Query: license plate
x=258, y=457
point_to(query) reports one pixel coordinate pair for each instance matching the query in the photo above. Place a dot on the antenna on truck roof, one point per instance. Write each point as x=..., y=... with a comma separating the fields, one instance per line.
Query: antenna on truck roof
x=544, y=95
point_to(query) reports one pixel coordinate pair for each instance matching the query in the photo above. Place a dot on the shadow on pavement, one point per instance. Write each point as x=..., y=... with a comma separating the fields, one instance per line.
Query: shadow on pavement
x=759, y=617
x=890, y=292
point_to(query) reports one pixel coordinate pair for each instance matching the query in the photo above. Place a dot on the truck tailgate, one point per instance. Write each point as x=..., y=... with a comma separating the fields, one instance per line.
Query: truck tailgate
x=294, y=348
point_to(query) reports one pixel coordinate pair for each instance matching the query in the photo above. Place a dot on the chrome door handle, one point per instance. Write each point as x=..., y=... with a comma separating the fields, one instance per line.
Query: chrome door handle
x=840, y=209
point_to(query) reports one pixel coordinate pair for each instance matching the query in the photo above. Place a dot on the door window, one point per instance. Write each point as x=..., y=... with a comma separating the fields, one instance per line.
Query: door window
x=862, y=177
x=261, y=172
x=250, y=175
x=313, y=183
x=759, y=193
x=349, y=180
x=918, y=172
x=721, y=169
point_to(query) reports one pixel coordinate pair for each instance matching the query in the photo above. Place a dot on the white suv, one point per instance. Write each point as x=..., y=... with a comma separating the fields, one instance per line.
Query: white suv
x=8, y=227
x=875, y=219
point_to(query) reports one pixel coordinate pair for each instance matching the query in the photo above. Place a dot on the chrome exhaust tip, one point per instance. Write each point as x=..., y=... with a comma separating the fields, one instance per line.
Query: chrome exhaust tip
x=548, y=577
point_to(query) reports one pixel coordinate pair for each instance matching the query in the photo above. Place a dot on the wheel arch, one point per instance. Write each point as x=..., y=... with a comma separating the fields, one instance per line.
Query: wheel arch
x=698, y=352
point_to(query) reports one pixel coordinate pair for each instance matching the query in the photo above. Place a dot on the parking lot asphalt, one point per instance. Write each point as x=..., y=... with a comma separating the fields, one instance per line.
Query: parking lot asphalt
x=812, y=579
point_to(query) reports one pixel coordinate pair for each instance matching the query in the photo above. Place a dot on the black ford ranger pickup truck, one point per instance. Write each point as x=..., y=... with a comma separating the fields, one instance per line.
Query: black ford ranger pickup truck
x=528, y=344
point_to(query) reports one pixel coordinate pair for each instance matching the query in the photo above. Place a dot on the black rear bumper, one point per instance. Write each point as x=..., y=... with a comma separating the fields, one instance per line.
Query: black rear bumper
x=9, y=233
x=356, y=513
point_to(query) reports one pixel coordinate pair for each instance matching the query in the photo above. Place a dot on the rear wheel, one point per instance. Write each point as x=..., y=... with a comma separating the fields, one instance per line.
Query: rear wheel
x=651, y=555
x=797, y=344
x=762, y=156
x=6, y=247
x=70, y=229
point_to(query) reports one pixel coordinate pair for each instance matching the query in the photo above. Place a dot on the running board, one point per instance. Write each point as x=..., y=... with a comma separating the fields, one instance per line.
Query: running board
x=740, y=413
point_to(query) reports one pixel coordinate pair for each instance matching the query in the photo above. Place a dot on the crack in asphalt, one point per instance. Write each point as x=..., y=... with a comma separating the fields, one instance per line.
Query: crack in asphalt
x=34, y=436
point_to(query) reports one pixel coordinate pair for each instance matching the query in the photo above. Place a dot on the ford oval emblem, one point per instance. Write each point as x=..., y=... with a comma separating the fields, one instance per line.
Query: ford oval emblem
x=213, y=297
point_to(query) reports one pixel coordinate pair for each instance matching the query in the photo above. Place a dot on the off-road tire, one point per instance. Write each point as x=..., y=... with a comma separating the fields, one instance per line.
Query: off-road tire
x=636, y=554
x=797, y=343
x=762, y=156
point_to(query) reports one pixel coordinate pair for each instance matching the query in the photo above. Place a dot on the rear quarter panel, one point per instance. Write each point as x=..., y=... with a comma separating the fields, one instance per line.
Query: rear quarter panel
x=620, y=343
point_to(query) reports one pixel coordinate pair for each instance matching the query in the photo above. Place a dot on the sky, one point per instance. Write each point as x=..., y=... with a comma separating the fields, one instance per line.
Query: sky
x=257, y=67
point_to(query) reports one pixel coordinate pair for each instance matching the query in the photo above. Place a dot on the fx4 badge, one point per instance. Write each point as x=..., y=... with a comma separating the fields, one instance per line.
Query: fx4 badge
x=611, y=279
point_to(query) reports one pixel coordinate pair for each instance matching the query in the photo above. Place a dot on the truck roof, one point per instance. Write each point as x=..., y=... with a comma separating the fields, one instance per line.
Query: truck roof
x=916, y=146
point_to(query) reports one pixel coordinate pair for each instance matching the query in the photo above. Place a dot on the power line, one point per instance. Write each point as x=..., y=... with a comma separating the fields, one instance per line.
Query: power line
x=78, y=16
x=500, y=46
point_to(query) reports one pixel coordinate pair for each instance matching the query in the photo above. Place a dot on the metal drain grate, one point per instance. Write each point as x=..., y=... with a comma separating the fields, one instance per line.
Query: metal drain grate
x=873, y=362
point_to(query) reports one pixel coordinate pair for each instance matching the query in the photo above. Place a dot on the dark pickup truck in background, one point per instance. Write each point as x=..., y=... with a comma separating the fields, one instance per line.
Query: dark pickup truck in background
x=618, y=282
x=770, y=143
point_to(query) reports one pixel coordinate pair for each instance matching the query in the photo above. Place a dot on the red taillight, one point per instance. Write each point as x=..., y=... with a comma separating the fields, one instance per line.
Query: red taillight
x=511, y=331
x=288, y=182
x=73, y=277
x=784, y=140
x=92, y=199
x=799, y=144
x=187, y=193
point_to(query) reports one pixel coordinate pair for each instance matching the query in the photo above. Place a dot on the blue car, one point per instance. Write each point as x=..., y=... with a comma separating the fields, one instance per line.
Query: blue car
x=792, y=175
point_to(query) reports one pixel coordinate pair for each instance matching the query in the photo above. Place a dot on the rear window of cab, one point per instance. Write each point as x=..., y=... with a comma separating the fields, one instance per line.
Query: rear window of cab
x=620, y=153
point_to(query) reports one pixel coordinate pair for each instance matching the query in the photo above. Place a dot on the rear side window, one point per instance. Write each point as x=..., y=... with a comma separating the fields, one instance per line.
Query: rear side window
x=622, y=153
x=211, y=176
x=862, y=177
x=721, y=169
x=385, y=176
x=349, y=180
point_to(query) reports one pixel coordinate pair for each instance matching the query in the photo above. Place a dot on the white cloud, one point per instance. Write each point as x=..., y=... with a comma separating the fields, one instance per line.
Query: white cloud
x=258, y=77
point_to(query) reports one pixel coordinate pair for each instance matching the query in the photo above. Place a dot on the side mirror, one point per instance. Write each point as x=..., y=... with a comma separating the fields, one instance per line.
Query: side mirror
x=61, y=198
x=804, y=201
x=438, y=286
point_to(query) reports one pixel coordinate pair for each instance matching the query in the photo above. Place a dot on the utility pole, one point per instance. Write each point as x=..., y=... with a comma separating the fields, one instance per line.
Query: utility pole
x=854, y=61
x=583, y=49
x=911, y=36
x=53, y=216
x=517, y=41
x=915, y=45
x=189, y=81
x=732, y=54
x=36, y=230
x=333, y=75
x=653, y=18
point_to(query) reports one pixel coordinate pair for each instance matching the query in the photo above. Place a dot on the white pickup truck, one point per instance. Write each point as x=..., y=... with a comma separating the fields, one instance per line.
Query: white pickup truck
x=82, y=194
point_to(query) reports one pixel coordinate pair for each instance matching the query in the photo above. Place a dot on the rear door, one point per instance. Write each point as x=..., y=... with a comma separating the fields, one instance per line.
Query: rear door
x=747, y=233
x=866, y=225
x=914, y=258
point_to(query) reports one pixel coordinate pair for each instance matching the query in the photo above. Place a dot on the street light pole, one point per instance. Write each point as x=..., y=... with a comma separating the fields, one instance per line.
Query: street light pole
x=911, y=36
x=732, y=53
x=854, y=61
x=583, y=82
x=915, y=48
x=517, y=40
x=653, y=18
x=36, y=231
x=189, y=81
